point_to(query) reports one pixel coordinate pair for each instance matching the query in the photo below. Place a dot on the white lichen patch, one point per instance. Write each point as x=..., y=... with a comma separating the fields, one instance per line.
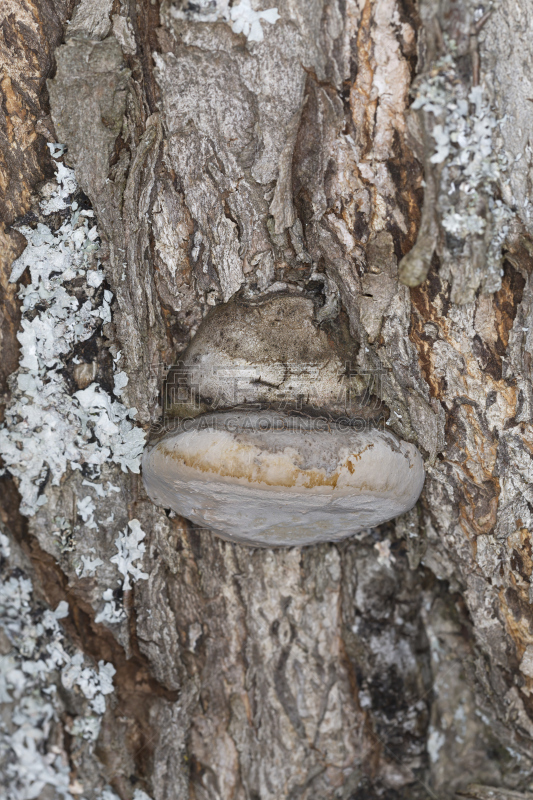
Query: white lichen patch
x=243, y=18
x=109, y=794
x=89, y=566
x=248, y=21
x=94, y=685
x=130, y=549
x=47, y=428
x=66, y=186
x=385, y=557
x=112, y=612
x=36, y=662
x=473, y=172
x=436, y=740
x=138, y=794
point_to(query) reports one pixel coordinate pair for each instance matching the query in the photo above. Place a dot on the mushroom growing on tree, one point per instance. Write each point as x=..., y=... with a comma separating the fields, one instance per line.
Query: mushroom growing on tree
x=162, y=163
x=269, y=476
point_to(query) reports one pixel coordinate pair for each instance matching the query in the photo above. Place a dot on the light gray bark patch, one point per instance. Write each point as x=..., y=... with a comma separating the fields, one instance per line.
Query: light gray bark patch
x=231, y=118
x=379, y=284
x=91, y=19
x=415, y=266
x=459, y=738
x=198, y=150
x=136, y=209
x=476, y=155
x=281, y=207
x=505, y=49
x=90, y=102
x=170, y=776
x=88, y=99
x=285, y=695
x=176, y=282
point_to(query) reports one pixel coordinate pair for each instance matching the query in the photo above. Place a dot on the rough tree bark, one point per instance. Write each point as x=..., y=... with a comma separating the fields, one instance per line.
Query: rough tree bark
x=384, y=144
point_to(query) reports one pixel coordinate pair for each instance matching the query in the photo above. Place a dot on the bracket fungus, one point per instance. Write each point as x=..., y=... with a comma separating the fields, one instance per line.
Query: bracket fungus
x=270, y=352
x=255, y=468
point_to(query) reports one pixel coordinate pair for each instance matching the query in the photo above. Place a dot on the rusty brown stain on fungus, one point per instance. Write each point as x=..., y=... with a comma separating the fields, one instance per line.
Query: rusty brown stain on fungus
x=308, y=478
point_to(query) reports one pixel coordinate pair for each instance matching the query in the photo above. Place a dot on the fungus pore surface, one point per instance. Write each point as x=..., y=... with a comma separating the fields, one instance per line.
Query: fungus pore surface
x=269, y=479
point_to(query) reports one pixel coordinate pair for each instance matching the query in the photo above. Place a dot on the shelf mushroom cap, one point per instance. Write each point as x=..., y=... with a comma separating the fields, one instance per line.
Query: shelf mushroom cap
x=272, y=480
x=271, y=351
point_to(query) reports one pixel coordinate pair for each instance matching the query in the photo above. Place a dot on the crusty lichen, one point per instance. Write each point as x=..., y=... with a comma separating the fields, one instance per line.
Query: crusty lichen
x=468, y=171
x=53, y=435
x=48, y=429
x=38, y=666
x=242, y=17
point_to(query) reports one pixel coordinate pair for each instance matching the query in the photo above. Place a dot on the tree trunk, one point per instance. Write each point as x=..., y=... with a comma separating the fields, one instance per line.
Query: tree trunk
x=210, y=152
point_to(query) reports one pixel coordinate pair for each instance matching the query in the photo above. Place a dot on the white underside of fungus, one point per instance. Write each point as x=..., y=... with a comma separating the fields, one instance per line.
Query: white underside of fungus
x=263, y=479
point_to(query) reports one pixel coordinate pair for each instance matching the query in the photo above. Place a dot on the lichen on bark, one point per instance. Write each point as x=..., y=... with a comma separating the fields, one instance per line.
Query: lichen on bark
x=217, y=163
